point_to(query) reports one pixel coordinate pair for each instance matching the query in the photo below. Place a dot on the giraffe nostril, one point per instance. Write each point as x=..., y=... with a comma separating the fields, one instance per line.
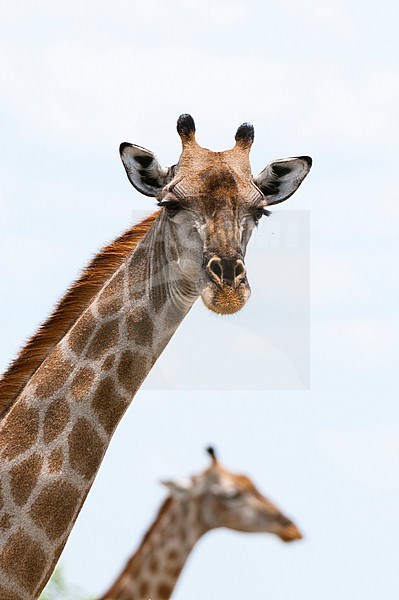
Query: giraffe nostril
x=239, y=269
x=215, y=269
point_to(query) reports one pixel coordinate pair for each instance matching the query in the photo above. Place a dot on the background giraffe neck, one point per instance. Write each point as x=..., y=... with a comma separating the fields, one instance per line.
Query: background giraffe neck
x=55, y=435
x=152, y=572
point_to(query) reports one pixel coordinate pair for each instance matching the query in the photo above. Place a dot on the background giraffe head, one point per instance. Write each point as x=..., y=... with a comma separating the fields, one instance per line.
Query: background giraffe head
x=231, y=500
x=211, y=204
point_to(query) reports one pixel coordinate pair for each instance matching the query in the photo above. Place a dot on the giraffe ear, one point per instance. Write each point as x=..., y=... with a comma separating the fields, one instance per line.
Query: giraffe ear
x=281, y=178
x=179, y=487
x=143, y=169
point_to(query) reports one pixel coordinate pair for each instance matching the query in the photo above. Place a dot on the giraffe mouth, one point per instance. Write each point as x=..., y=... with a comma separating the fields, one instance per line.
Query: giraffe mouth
x=225, y=299
x=290, y=533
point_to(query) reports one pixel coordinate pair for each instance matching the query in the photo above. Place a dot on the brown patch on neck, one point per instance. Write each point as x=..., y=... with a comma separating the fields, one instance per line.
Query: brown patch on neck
x=30, y=559
x=20, y=431
x=55, y=507
x=24, y=477
x=66, y=313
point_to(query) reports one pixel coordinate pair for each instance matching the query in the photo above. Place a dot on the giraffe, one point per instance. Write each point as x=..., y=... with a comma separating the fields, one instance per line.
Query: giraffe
x=63, y=396
x=196, y=505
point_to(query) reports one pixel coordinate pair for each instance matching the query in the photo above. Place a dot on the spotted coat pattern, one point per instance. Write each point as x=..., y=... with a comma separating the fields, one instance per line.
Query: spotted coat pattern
x=54, y=437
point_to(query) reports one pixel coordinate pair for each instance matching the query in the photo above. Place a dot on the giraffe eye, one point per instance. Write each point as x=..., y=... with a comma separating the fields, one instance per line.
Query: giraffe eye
x=259, y=213
x=232, y=495
x=171, y=206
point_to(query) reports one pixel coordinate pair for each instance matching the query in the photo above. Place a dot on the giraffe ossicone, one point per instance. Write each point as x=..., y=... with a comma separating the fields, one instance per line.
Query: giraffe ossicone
x=63, y=396
x=215, y=498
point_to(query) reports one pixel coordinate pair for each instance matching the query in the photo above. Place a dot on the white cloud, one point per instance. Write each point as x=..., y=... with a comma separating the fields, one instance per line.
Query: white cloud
x=359, y=107
x=360, y=348
x=325, y=11
x=75, y=90
x=335, y=278
x=222, y=12
x=369, y=456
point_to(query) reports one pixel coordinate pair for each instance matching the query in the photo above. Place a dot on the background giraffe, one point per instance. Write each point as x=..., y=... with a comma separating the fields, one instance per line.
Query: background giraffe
x=64, y=395
x=214, y=498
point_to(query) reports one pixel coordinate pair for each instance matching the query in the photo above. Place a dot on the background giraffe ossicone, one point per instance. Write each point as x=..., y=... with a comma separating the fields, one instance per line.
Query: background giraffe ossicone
x=63, y=396
x=214, y=498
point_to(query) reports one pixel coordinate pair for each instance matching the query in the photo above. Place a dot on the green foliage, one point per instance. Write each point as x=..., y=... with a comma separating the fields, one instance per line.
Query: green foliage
x=58, y=589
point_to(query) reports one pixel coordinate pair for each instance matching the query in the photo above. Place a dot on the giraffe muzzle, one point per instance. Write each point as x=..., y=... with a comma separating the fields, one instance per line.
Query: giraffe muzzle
x=288, y=532
x=227, y=289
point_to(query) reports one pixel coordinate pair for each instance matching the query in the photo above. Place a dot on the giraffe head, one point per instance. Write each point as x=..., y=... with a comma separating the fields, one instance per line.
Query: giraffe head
x=231, y=500
x=211, y=204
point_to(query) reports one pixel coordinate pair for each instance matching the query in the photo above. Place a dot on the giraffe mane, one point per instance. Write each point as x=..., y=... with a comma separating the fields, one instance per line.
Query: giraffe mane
x=69, y=308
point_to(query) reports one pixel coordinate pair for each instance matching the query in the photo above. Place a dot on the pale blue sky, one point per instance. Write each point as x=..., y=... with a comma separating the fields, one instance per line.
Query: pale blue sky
x=316, y=78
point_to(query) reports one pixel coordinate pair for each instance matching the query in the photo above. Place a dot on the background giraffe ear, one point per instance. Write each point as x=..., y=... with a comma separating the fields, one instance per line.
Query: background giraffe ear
x=281, y=178
x=143, y=169
x=179, y=487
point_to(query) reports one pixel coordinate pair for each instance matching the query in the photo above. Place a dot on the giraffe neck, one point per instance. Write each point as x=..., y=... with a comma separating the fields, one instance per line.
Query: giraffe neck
x=152, y=572
x=54, y=436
